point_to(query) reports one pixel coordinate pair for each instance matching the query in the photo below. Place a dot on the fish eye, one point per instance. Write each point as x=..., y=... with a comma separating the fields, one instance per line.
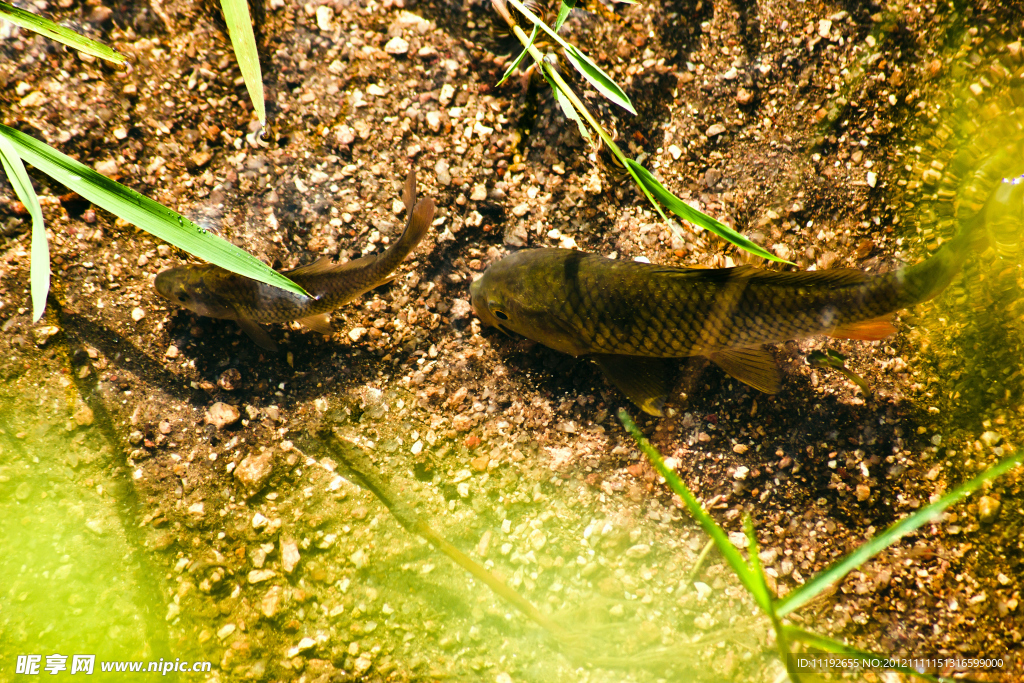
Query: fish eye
x=182, y=298
x=500, y=315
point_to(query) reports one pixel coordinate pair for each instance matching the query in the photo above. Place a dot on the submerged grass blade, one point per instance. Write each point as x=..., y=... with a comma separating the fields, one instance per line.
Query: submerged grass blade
x=39, y=269
x=519, y=60
x=836, y=647
x=819, y=582
x=762, y=595
x=592, y=72
x=563, y=12
x=688, y=213
x=142, y=211
x=61, y=34
x=236, y=15
x=725, y=546
x=598, y=78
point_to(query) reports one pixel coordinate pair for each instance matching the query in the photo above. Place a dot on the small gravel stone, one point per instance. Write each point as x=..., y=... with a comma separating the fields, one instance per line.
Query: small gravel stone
x=254, y=471
x=863, y=492
x=289, y=555
x=230, y=379
x=397, y=46
x=222, y=415
x=479, y=193
x=991, y=438
x=138, y=314
x=260, y=575
x=42, y=335
x=715, y=129
x=988, y=509
x=356, y=333
x=441, y=167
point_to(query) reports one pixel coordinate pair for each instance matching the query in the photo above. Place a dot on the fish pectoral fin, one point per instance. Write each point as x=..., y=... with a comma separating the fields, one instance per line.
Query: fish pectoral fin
x=645, y=381
x=257, y=333
x=872, y=329
x=318, y=323
x=752, y=366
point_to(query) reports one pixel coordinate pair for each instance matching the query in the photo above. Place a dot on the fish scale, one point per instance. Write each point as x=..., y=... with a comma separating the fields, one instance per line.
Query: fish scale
x=632, y=316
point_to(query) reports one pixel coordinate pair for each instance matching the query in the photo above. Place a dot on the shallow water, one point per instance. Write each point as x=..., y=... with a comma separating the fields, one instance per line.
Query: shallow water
x=72, y=579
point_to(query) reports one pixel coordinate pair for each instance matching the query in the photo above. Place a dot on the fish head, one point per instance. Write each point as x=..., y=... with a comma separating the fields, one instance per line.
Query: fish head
x=518, y=296
x=187, y=286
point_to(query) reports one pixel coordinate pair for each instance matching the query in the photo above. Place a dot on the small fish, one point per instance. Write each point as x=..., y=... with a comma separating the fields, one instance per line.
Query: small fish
x=632, y=318
x=218, y=293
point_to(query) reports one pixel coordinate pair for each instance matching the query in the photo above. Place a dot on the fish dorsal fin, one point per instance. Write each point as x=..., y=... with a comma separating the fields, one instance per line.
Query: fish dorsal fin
x=833, y=277
x=256, y=333
x=318, y=323
x=324, y=265
x=753, y=366
x=645, y=381
x=871, y=329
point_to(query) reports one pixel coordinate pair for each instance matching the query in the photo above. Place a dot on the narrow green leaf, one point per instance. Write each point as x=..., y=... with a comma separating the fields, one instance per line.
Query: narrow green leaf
x=598, y=78
x=522, y=55
x=39, y=268
x=143, y=211
x=563, y=12
x=592, y=72
x=762, y=595
x=819, y=582
x=569, y=110
x=54, y=31
x=827, y=644
x=236, y=15
x=725, y=546
x=688, y=213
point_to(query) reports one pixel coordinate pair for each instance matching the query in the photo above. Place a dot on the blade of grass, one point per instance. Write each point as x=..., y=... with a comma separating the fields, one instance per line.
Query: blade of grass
x=570, y=111
x=829, y=645
x=39, y=268
x=236, y=15
x=688, y=213
x=55, y=31
x=142, y=211
x=725, y=546
x=819, y=582
x=592, y=72
x=563, y=12
x=761, y=594
x=522, y=55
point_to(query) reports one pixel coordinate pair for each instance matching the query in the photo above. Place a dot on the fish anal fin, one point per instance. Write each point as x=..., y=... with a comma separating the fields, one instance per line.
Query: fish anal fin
x=257, y=333
x=645, y=381
x=318, y=323
x=752, y=366
x=865, y=330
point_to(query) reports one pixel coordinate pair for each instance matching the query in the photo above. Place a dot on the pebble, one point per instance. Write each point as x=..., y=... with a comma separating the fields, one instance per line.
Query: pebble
x=42, y=335
x=744, y=96
x=84, y=416
x=107, y=167
x=271, y=602
x=171, y=352
x=260, y=575
x=675, y=152
x=872, y=178
x=715, y=129
x=397, y=46
x=289, y=555
x=988, y=509
x=254, y=470
x=479, y=193
x=444, y=177
x=230, y=379
x=222, y=415
x=460, y=309
x=863, y=492
x=356, y=333
x=991, y=438
x=446, y=94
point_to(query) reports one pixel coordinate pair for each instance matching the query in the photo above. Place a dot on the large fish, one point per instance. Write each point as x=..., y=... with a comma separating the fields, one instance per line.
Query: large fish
x=218, y=293
x=631, y=318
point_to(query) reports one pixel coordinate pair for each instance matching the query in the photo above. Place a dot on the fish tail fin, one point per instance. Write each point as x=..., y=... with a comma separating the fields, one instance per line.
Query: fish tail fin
x=927, y=279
